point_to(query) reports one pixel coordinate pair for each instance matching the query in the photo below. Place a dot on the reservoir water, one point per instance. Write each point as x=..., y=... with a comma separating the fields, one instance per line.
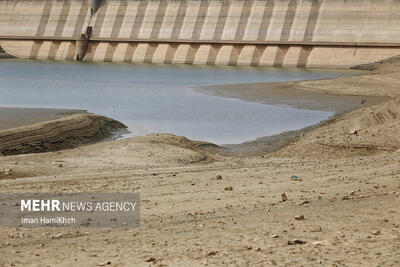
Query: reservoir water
x=159, y=98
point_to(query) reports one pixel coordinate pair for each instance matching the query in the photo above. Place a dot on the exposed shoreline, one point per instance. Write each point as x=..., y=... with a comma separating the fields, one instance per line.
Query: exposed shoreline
x=293, y=94
x=52, y=130
x=11, y=117
x=341, y=180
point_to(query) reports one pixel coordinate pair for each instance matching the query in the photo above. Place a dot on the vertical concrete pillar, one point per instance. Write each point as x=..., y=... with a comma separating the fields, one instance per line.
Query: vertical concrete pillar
x=94, y=6
x=81, y=47
x=82, y=44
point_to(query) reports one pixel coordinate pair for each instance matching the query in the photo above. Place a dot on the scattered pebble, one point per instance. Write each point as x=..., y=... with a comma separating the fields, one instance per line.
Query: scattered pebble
x=296, y=242
x=303, y=203
x=284, y=197
x=228, y=188
x=5, y=171
x=320, y=243
x=353, y=131
x=58, y=235
x=299, y=218
x=212, y=253
x=316, y=229
x=105, y=263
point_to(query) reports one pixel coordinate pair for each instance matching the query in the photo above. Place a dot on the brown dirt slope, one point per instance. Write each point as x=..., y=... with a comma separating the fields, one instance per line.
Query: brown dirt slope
x=364, y=131
x=66, y=132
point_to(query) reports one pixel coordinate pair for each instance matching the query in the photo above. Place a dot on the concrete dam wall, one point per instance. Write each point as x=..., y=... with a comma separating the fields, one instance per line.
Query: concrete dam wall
x=290, y=33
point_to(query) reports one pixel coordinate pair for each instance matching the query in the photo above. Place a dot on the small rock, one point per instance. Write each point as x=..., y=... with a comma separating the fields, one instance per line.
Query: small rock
x=60, y=165
x=320, y=243
x=105, y=263
x=302, y=203
x=151, y=260
x=219, y=177
x=316, y=229
x=58, y=235
x=275, y=236
x=296, y=242
x=5, y=171
x=284, y=197
x=376, y=232
x=228, y=188
x=212, y=253
x=354, y=131
x=299, y=218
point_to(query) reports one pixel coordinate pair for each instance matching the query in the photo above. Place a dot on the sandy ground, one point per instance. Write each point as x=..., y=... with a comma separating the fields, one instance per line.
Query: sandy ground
x=342, y=210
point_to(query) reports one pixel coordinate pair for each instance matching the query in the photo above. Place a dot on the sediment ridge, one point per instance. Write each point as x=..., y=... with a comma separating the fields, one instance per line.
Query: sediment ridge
x=66, y=132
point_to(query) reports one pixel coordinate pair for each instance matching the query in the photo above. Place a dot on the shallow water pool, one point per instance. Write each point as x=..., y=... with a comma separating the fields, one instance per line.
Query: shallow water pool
x=152, y=98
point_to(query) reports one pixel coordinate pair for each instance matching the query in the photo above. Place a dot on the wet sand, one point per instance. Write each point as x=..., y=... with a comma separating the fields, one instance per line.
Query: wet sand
x=17, y=117
x=288, y=94
x=292, y=94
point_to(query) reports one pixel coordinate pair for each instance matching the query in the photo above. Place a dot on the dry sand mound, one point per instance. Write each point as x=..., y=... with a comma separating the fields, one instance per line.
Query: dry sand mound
x=363, y=131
